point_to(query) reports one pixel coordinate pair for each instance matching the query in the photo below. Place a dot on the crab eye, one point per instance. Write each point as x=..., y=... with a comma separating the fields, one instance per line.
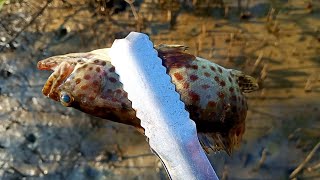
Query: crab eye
x=66, y=99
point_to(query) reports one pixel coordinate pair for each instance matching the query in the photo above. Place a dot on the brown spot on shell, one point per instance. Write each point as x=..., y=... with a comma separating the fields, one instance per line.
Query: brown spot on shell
x=91, y=98
x=206, y=74
x=98, y=69
x=221, y=95
x=205, y=86
x=213, y=68
x=84, y=87
x=103, y=63
x=216, y=78
x=178, y=76
x=203, y=66
x=175, y=58
x=112, y=79
x=118, y=91
x=193, y=77
x=230, y=79
x=222, y=83
x=212, y=104
x=231, y=89
x=95, y=83
x=219, y=69
x=186, y=85
x=78, y=80
x=96, y=61
x=124, y=105
x=194, y=96
x=84, y=66
x=195, y=67
x=87, y=77
x=112, y=69
x=90, y=68
x=177, y=65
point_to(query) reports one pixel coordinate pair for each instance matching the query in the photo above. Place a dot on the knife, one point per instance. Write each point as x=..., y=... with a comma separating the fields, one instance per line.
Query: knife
x=171, y=133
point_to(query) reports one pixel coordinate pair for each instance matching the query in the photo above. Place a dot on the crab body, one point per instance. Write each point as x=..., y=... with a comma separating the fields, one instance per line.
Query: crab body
x=213, y=95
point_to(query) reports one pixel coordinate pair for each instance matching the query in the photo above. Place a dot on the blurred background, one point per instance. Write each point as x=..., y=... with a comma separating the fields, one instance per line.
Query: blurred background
x=276, y=41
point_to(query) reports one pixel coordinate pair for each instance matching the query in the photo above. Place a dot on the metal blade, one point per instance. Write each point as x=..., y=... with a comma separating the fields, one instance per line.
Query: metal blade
x=171, y=132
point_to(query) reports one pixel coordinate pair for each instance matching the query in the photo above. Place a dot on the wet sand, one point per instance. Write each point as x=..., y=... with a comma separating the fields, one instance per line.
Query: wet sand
x=277, y=42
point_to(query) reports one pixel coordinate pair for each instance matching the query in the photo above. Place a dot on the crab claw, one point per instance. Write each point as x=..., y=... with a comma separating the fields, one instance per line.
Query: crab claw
x=52, y=63
x=47, y=64
x=61, y=72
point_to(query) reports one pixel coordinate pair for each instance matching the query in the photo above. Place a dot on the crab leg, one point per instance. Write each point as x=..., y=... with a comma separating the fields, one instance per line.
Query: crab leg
x=56, y=78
